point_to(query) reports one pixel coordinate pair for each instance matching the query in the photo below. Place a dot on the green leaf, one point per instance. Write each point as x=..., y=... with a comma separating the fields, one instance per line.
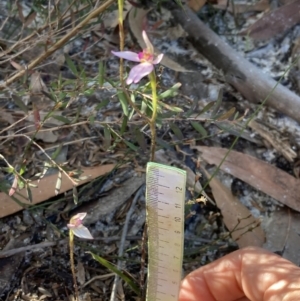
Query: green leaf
x=19, y=102
x=123, y=101
x=71, y=65
x=176, y=130
x=131, y=146
x=56, y=153
x=207, y=107
x=114, y=269
x=218, y=104
x=124, y=125
x=102, y=104
x=226, y=115
x=62, y=119
x=170, y=108
x=107, y=137
x=29, y=194
x=75, y=195
x=199, y=128
x=89, y=92
x=101, y=73
x=91, y=119
x=173, y=91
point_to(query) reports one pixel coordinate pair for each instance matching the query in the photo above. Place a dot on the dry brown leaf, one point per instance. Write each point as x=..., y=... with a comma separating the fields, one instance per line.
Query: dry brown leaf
x=282, y=230
x=275, y=22
x=37, y=84
x=46, y=189
x=240, y=8
x=259, y=174
x=30, y=18
x=196, y=5
x=237, y=218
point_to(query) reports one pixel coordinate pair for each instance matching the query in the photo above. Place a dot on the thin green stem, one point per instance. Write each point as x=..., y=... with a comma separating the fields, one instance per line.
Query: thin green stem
x=122, y=38
x=152, y=78
x=71, y=243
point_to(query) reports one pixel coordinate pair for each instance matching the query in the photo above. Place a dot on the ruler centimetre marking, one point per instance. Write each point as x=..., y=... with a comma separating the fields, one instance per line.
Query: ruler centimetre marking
x=165, y=198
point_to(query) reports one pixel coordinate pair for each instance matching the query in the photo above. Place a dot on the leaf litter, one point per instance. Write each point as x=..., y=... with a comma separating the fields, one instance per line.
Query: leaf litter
x=91, y=132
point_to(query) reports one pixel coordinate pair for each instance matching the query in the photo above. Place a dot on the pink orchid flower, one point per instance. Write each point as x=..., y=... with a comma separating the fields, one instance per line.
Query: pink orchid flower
x=78, y=228
x=146, y=58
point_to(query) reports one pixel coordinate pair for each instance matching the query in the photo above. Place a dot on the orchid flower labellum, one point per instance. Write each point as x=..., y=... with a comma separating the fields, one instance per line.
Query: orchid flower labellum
x=146, y=58
x=78, y=228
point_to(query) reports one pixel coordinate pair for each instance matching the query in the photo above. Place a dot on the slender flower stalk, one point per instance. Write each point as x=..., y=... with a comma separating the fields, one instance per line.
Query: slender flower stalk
x=76, y=228
x=121, y=34
x=147, y=59
x=152, y=78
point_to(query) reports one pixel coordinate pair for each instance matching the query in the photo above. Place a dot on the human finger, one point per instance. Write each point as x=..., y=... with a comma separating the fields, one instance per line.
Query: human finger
x=252, y=273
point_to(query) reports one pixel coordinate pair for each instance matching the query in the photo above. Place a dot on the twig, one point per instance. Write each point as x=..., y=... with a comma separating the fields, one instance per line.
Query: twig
x=122, y=242
x=58, y=44
x=12, y=252
x=51, y=160
x=99, y=277
x=238, y=71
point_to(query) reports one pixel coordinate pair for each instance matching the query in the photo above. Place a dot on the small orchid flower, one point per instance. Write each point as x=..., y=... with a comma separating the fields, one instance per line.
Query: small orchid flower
x=146, y=58
x=78, y=228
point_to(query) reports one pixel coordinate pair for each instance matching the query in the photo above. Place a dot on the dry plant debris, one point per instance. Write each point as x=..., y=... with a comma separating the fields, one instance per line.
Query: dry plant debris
x=63, y=112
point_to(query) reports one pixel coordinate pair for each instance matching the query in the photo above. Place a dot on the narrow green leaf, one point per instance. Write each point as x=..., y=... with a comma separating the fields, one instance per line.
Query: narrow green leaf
x=218, y=104
x=102, y=104
x=207, y=107
x=173, y=91
x=124, y=125
x=101, y=73
x=114, y=269
x=226, y=115
x=171, y=108
x=140, y=138
x=176, y=130
x=57, y=151
x=29, y=193
x=62, y=119
x=89, y=92
x=91, y=119
x=19, y=102
x=50, y=95
x=107, y=138
x=236, y=116
x=131, y=146
x=123, y=101
x=199, y=128
x=75, y=195
x=22, y=169
x=71, y=65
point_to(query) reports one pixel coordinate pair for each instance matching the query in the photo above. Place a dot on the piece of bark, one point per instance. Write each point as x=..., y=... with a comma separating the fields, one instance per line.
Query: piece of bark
x=46, y=189
x=275, y=22
x=257, y=173
x=107, y=204
x=249, y=80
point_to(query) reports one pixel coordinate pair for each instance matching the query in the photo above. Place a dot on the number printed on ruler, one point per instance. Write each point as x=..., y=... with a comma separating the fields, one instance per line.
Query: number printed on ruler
x=165, y=215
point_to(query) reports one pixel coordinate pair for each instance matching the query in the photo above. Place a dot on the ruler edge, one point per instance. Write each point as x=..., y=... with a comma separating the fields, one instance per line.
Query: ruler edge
x=183, y=173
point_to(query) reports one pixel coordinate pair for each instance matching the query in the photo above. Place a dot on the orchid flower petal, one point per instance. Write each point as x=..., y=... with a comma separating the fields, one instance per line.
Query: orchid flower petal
x=82, y=232
x=79, y=216
x=158, y=59
x=138, y=72
x=148, y=43
x=127, y=55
